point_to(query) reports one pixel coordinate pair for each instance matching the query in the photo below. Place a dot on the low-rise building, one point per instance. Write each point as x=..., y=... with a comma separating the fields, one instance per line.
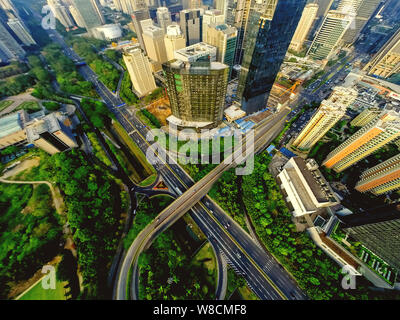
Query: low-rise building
x=234, y=113
x=305, y=188
x=12, y=129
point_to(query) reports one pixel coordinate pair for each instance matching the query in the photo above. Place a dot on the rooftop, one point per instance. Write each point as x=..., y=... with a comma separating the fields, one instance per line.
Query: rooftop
x=12, y=123
x=48, y=123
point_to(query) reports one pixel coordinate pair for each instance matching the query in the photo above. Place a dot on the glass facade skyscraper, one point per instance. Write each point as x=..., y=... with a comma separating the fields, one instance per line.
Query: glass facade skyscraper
x=269, y=30
x=90, y=12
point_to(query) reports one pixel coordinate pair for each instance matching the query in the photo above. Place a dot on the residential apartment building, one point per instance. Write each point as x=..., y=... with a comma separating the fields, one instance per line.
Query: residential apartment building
x=327, y=115
x=383, y=130
x=366, y=116
x=382, y=178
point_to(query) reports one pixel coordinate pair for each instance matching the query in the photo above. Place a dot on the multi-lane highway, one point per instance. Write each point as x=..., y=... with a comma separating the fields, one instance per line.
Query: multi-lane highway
x=262, y=272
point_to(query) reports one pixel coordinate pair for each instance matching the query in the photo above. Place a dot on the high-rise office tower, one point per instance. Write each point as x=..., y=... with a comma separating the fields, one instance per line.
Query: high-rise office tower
x=386, y=62
x=139, y=70
x=191, y=4
x=383, y=130
x=323, y=7
x=9, y=46
x=174, y=40
x=330, y=34
x=366, y=117
x=363, y=10
x=90, y=13
x=9, y=7
x=304, y=27
x=137, y=18
x=153, y=38
x=241, y=10
x=269, y=30
x=382, y=178
x=209, y=17
x=327, y=115
x=21, y=31
x=130, y=6
x=196, y=91
x=61, y=13
x=163, y=18
x=77, y=17
x=378, y=230
x=223, y=37
x=191, y=22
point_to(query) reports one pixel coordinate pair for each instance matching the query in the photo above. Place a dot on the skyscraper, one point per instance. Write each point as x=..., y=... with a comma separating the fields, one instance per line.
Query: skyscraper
x=196, y=91
x=191, y=22
x=174, y=40
x=382, y=178
x=21, y=31
x=61, y=13
x=363, y=10
x=9, y=46
x=327, y=115
x=153, y=38
x=139, y=70
x=366, y=117
x=77, y=17
x=137, y=18
x=223, y=38
x=304, y=27
x=386, y=62
x=163, y=18
x=383, y=130
x=330, y=34
x=378, y=230
x=90, y=13
x=269, y=30
x=211, y=17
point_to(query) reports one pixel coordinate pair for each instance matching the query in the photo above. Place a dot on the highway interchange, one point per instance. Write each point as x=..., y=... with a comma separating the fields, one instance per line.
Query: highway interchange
x=263, y=273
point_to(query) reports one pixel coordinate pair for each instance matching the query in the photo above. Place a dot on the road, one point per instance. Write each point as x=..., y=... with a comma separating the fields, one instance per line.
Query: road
x=254, y=262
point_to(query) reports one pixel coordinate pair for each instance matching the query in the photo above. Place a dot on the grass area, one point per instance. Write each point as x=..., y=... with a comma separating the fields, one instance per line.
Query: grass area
x=39, y=293
x=148, y=181
x=205, y=257
x=98, y=150
x=29, y=106
x=247, y=294
x=133, y=148
x=5, y=104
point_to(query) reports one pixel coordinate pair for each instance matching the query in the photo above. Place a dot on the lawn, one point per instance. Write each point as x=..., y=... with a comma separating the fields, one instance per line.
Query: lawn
x=38, y=293
x=205, y=257
x=5, y=104
x=29, y=106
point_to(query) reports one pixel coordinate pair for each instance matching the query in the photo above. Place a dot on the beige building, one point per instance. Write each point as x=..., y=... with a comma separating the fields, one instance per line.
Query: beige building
x=304, y=187
x=153, y=38
x=174, y=40
x=366, y=117
x=381, y=131
x=212, y=17
x=304, y=26
x=387, y=60
x=139, y=70
x=327, y=115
